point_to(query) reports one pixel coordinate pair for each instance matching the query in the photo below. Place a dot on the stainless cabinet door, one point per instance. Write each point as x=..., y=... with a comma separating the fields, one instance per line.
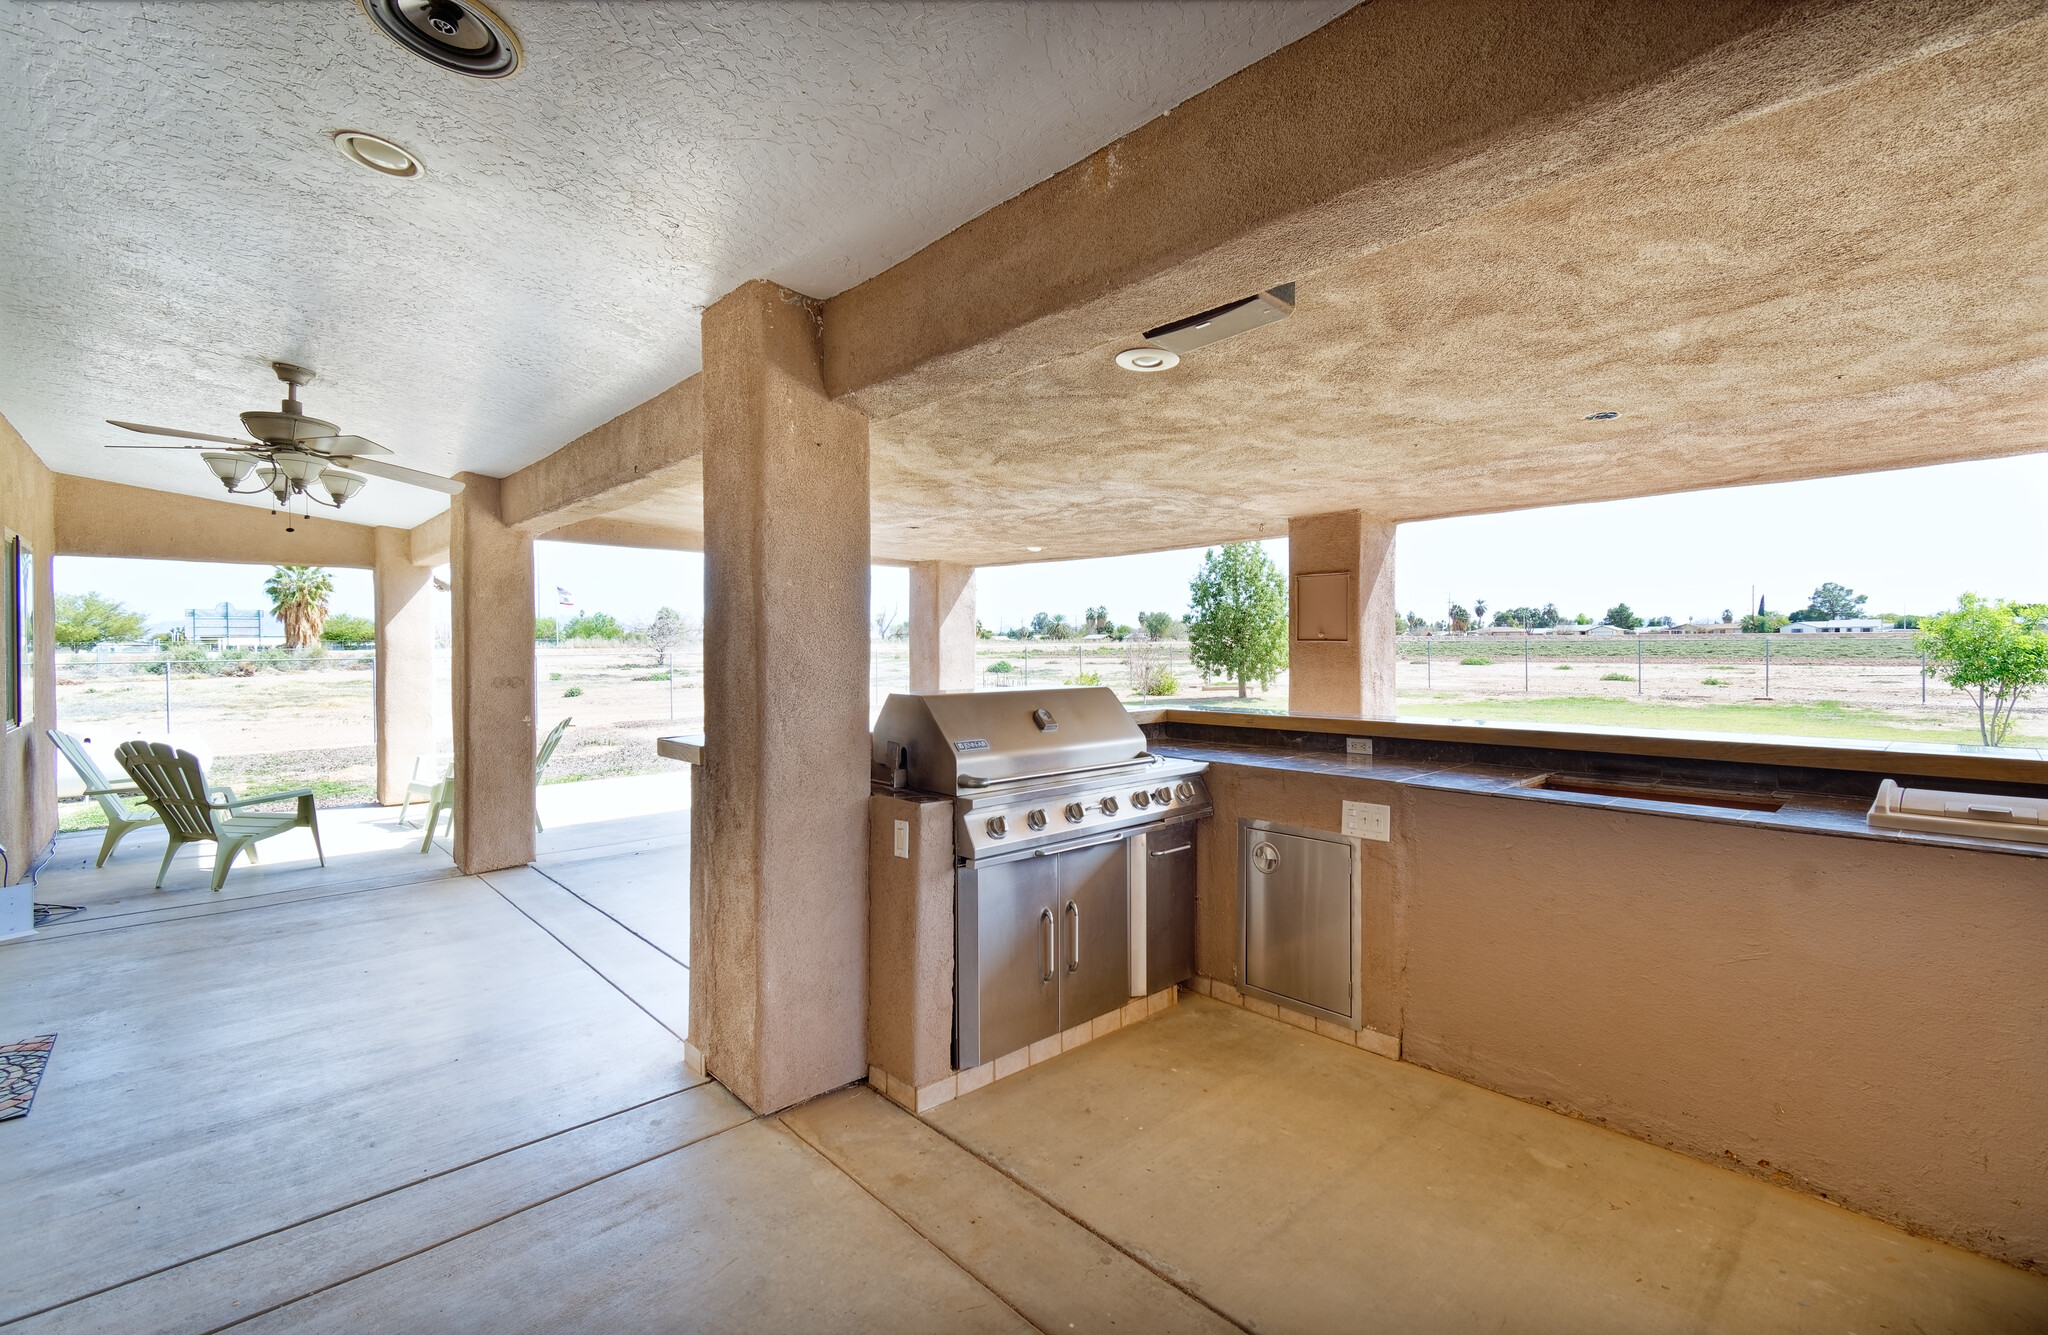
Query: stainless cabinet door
x=1169, y=905
x=1299, y=936
x=1009, y=959
x=1095, y=930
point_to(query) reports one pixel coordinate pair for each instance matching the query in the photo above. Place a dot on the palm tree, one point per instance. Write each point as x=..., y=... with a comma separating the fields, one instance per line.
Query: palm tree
x=298, y=598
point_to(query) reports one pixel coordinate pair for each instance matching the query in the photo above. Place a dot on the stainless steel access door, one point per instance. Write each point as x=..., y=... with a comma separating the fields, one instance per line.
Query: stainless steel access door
x=1301, y=930
x=1006, y=945
x=1095, y=930
x=1168, y=853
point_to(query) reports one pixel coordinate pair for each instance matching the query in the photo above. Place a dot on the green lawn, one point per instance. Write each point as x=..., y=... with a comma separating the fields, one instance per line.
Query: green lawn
x=1823, y=719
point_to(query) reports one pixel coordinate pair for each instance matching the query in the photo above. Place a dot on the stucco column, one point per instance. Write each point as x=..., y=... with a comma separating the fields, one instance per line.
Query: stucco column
x=778, y=911
x=492, y=648
x=1340, y=614
x=405, y=663
x=941, y=626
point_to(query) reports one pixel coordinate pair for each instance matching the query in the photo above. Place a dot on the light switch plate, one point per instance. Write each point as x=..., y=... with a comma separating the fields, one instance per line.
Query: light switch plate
x=902, y=838
x=1358, y=746
x=1367, y=820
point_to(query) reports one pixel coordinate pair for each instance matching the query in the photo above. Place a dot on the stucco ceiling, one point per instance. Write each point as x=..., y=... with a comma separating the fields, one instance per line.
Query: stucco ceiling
x=175, y=215
x=1850, y=282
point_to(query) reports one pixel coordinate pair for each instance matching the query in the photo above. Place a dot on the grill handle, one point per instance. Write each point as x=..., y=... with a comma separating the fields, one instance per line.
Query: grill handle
x=976, y=781
x=1074, y=964
x=1166, y=852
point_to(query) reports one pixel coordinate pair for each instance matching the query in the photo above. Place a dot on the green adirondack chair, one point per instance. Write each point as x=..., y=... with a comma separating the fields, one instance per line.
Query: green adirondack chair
x=121, y=818
x=443, y=795
x=174, y=785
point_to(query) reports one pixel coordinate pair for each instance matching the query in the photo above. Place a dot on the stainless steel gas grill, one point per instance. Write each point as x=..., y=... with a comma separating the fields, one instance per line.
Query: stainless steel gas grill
x=1073, y=850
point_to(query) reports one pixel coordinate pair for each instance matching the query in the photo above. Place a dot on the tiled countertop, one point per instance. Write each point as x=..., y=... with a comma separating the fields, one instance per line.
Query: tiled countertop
x=1802, y=813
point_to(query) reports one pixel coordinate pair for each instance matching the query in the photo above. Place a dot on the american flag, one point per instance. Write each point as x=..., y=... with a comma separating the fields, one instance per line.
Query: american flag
x=563, y=594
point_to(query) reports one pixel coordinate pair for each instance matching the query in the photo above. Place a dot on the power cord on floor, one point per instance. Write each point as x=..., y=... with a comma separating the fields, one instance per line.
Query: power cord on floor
x=45, y=914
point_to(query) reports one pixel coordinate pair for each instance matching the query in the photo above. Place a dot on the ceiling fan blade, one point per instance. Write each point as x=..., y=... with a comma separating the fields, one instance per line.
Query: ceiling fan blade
x=393, y=473
x=173, y=431
x=154, y=447
x=339, y=447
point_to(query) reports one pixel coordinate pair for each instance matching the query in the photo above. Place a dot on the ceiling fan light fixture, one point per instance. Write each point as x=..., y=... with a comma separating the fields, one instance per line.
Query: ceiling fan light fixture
x=274, y=481
x=300, y=468
x=229, y=468
x=342, y=485
x=377, y=153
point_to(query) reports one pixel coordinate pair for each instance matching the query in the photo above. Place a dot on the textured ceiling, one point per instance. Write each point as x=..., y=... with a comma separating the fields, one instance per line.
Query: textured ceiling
x=1851, y=282
x=175, y=215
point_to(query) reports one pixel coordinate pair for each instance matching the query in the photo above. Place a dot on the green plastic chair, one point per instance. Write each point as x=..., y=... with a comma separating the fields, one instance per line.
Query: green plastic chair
x=121, y=818
x=174, y=785
x=540, y=764
x=443, y=797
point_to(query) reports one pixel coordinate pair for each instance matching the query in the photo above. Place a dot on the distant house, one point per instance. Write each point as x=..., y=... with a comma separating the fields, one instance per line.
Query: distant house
x=1603, y=631
x=1851, y=626
x=1710, y=628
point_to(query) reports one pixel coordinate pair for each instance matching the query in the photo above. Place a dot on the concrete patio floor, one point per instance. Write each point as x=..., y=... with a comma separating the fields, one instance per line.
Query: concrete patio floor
x=387, y=1096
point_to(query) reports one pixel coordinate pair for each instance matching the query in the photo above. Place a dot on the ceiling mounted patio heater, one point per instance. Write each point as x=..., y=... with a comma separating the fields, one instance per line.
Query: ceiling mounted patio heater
x=1199, y=331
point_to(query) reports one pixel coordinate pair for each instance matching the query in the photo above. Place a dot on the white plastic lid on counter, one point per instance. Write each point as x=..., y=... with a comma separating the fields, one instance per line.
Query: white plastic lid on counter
x=1975, y=815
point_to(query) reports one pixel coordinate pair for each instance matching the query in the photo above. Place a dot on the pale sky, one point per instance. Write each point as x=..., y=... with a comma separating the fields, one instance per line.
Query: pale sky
x=1912, y=540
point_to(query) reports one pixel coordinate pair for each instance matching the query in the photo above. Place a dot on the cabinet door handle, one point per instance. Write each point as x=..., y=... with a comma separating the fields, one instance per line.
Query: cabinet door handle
x=1163, y=852
x=1075, y=963
x=1052, y=962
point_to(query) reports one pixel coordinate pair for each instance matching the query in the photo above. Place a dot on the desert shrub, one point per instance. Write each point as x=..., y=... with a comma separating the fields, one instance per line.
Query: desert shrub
x=1562, y=667
x=1085, y=679
x=1001, y=665
x=1616, y=676
x=1157, y=680
x=1712, y=681
x=572, y=692
x=1475, y=661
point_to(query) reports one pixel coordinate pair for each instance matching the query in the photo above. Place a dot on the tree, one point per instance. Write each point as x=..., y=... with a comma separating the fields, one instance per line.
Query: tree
x=1239, y=628
x=342, y=628
x=1993, y=652
x=544, y=628
x=1479, y=612
x=87, y=619
x=1096, y=622
x=885, y=624
x=1832, y=602
x=594, y=626
x=1156, y=624
x=1620, y=616
x=665, y=633
x=1727, y=616
x=298, y=598
x=1460, y=618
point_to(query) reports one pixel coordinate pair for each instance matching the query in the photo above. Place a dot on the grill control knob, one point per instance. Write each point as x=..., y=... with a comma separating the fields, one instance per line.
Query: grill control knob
x=1075, y=811
x=1109, y=806
x=1162, y=795
x=1141, y=799
x=1185, y=791
x=1036, y=820
x=997, y=827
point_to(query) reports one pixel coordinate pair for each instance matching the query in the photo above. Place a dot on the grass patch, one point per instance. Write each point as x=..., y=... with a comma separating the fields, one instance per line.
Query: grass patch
x=572, y=692
x=1616, y=676
x=1713, y=681
x=1828, y=719
x=1475, y=661
x=1562, y=667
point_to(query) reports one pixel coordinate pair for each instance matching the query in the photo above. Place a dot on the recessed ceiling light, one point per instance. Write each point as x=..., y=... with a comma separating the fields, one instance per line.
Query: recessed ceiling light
x=1147, y=359
x=459, y=35
x=1600, y=417
x=1034, y=549
x=379, y=155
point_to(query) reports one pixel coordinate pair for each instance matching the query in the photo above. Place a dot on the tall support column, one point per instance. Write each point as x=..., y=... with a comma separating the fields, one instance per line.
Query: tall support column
x=405, y=663
x=778, y=919
x=941, y=626
x=1340, y=615
x=492, y=648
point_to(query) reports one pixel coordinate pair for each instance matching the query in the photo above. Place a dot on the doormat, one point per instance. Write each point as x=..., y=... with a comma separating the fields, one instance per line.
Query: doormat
x=21, y=1070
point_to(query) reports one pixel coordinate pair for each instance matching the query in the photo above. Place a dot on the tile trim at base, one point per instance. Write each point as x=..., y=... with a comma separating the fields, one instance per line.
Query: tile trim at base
x=1369, y=1039
x=693, y=1058
x=922, y=1099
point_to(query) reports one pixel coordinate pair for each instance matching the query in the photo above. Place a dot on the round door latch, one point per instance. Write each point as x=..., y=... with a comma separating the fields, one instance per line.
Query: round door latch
x=1264, y=856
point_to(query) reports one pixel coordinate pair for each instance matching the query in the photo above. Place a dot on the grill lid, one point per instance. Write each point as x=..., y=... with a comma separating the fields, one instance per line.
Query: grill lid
x=954, y=741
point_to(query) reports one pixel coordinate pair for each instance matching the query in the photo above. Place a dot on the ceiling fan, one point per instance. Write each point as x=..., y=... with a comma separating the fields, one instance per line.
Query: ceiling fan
x=293, y=454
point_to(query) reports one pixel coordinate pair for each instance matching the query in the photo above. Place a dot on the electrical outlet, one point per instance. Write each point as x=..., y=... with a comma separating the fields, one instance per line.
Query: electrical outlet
x=1358, y=746
x=902, y=838
x=1367, y=820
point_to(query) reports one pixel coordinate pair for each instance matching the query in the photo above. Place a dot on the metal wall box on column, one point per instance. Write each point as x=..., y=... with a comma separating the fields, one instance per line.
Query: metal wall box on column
x=1054, y=799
